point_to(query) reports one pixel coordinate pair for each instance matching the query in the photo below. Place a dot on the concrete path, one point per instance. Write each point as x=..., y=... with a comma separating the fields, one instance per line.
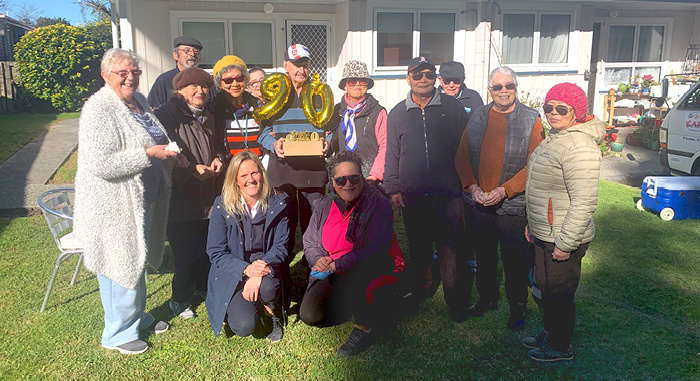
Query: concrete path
x=23, y=176
x=633, y=165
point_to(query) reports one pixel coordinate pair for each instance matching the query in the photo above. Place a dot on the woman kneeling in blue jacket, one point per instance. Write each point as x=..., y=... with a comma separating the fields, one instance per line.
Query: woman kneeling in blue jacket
x=248, y=232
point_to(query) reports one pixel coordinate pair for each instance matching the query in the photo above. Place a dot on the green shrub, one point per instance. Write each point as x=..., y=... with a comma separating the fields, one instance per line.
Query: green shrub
x=61, y=63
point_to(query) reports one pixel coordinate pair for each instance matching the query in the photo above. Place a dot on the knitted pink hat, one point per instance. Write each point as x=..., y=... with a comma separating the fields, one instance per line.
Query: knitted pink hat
x=572, y=95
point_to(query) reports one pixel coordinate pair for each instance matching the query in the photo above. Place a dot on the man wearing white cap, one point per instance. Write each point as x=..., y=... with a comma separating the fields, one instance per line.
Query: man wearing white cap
x=303, y=178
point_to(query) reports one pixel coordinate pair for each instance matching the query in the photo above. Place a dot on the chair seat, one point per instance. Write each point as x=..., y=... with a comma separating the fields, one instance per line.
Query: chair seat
x=69, y=242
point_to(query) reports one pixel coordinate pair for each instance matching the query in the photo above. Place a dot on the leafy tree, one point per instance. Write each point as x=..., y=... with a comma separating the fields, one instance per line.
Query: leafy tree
x=46, y=21
x=99, y=9
x=28, y=13
x=61, y=63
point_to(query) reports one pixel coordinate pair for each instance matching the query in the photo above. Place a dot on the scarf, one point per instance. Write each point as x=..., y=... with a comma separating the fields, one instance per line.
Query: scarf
x=197, y=112
x=348, y=125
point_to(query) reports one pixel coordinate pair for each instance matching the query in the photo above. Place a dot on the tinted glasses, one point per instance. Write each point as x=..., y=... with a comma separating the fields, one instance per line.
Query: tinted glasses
x=228, y=81
x=355, y=82
x=125, y=73
x=341, y=180
x=509, y=86
x=429, y=75
x=561, y=109
x=456, y=81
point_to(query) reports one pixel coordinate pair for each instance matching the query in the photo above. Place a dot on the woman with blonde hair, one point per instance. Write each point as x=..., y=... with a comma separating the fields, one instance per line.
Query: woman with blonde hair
x=248, y=231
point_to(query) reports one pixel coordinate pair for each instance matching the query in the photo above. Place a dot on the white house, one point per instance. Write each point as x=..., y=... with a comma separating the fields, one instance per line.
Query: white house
x=595, y=43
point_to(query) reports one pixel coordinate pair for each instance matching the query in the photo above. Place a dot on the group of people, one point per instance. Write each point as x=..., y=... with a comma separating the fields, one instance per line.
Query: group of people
x=192, y=163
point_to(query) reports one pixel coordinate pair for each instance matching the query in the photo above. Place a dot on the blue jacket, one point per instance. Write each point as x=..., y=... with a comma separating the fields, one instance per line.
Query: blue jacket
x=421, y=147
x=225, y=250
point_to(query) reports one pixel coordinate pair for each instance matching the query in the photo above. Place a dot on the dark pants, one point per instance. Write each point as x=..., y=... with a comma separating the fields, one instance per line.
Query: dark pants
x=244, y=316
x=299, y=208
x=334, y=300
x=557, y=283
x=188, y=241
x=491, y=230
x=436, y=222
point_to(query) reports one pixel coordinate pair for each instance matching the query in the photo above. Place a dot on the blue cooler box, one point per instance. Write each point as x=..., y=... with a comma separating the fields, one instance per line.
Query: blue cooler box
x=674, y=198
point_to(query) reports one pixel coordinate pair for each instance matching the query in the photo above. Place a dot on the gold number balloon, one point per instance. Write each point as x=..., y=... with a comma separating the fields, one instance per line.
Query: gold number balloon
x=316, y=87
x=275, y=88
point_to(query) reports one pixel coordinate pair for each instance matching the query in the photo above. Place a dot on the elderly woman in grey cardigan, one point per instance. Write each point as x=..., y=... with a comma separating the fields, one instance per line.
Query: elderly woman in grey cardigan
x=122, y=192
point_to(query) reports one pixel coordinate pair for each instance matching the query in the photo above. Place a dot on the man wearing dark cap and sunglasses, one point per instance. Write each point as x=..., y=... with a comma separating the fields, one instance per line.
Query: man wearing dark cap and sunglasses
x=492, y=164
x=186, y=54
x=452, y=83
x=422, y=138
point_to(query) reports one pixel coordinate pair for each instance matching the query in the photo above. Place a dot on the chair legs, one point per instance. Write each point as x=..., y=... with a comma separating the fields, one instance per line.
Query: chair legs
x=61, y=258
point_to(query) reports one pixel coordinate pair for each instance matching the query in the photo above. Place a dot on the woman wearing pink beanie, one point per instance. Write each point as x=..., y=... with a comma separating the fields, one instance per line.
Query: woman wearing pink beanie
x=561, y=195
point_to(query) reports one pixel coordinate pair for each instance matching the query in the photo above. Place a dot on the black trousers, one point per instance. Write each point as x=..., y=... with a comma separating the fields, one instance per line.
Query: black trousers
x=492, y=230
x=243, y=317
x=188, y=241
x=438, y=223
x=299, y=208
x=334, y=300
x=557, y=283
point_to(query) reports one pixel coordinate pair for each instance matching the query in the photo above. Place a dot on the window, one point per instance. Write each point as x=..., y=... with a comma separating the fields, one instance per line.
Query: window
x=395, y=32
x=212, y=37
x=625, y=40
x=251, y=41
x=536, y=38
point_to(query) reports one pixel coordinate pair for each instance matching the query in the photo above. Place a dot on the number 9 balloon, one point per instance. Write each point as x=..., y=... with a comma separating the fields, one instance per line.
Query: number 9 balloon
x=275, y=88
x=316, y=87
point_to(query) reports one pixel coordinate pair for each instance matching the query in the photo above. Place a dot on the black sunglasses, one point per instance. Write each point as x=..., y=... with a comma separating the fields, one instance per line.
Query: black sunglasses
x=228, y=81
x=341, y=180
x=456, y=81
x=418, y=76
x=561, y=110
x=510, y=86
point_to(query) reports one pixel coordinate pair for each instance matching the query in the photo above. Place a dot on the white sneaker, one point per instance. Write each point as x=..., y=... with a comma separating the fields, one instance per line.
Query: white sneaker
x=186, y=314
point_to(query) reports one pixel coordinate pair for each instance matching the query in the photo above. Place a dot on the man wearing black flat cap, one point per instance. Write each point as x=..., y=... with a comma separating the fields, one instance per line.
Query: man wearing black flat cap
x=452, y=84
x=186, y=54
x=423, y=134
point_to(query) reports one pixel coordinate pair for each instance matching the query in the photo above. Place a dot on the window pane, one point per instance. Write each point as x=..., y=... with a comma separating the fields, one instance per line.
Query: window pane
x=554, y=38
x=651, y=42
x=616, y=75
x=437, y=36
x=620, y=44
x=654, y=71
x=518, y=32
x=211, y=35
x=394, y=38
x=253, y=43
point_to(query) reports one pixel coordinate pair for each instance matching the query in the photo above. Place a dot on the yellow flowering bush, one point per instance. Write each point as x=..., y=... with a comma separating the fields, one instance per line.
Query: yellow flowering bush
x=61, y=63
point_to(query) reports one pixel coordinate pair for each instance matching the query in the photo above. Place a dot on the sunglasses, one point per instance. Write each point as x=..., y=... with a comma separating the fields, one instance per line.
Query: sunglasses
x=456, y=81
x=228, y=81
x=561, y=110
x=418, y=76
x=355, y=82
x=341, y=180
x=125, y=73
x=510, y=86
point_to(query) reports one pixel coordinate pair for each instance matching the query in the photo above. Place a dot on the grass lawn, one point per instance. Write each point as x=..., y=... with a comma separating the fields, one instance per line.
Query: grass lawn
x=19, y=129
x=638, y=318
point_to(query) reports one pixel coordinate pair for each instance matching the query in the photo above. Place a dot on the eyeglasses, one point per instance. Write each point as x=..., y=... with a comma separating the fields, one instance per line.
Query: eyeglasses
x=256, y=82
x=456, y=81
x=125, y=73
x=429, y=75
x=355, y=82
x=510, y=86
x=341, y=180
x=190, y=51
x=228, y=81
x=561, y=110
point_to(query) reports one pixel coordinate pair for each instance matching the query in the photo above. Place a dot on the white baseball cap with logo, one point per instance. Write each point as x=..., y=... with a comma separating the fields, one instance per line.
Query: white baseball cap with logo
x=296, y=53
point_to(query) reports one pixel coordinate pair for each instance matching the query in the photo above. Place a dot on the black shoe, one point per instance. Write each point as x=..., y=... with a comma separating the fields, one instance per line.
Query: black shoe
x=133, y=347
x=516, y=321
x=538, y=341
x=357, y=342
x=480, y=308
x=277, y=330
x=549, y=354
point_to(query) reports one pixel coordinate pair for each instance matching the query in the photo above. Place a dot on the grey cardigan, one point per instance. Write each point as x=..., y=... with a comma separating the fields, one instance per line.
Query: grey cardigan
x=109, y=193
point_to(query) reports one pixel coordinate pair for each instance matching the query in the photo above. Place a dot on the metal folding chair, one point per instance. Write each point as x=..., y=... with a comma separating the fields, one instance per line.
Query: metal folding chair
x=58, y=211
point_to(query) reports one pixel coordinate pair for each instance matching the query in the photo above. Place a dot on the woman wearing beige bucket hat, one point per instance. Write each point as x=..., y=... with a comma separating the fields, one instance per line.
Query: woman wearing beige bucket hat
x=360, y=122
